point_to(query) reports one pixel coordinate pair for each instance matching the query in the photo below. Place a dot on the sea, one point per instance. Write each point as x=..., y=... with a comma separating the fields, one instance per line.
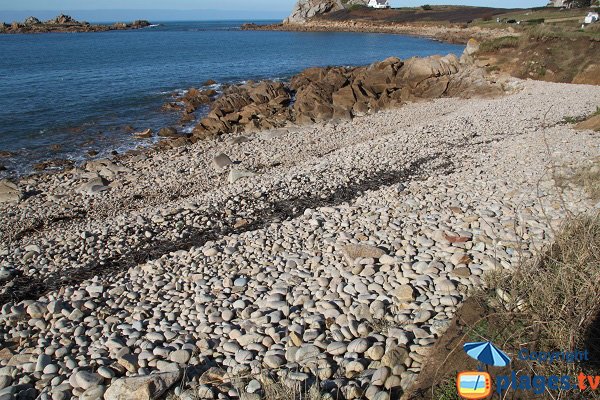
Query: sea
x=76, y=96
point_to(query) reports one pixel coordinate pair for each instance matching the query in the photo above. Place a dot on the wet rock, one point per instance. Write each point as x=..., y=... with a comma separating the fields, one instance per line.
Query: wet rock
x=143, y=134
x=168, y=132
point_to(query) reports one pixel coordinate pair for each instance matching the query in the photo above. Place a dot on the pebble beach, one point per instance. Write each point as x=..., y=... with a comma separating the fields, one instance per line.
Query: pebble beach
x=325, y=258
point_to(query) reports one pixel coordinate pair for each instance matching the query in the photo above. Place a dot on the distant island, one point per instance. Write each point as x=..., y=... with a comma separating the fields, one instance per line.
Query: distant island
x=65, y=23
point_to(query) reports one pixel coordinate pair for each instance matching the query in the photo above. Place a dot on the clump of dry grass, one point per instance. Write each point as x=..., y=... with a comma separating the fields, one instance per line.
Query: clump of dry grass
x=559, y=292
x=275, y=389
x=586, y=176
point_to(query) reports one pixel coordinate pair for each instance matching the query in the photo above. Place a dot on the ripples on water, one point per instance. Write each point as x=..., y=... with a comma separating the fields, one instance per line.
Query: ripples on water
x=81, y=90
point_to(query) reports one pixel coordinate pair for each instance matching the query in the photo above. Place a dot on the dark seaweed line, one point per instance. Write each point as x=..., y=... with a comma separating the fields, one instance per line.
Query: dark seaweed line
x=27, y=288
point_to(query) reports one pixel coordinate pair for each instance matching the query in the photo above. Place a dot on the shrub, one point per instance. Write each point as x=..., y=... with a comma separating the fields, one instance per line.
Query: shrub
x=427, y=7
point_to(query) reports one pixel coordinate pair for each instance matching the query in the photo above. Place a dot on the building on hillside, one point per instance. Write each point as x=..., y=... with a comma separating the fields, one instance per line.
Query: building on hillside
x=379, y=4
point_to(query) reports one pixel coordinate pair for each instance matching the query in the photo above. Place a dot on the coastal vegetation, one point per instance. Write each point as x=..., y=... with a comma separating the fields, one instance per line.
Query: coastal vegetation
x=546, y=53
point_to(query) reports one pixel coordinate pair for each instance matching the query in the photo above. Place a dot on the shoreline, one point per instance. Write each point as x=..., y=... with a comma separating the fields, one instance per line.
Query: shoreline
x=450, y=34
x=317, y=210
x=192, y=125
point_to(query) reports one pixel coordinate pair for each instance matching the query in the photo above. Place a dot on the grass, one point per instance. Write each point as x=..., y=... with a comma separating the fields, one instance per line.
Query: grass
x=561, y=31
x=278, y=390
x=575, y=120
x=499, y=43
x=446, y=390
x=558, y=293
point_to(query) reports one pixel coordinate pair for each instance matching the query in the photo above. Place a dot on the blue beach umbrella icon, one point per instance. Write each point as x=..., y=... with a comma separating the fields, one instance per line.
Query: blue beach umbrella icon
x=487, y=353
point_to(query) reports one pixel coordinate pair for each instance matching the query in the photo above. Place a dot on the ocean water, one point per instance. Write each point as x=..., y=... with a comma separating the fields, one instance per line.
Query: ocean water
x=63, y=95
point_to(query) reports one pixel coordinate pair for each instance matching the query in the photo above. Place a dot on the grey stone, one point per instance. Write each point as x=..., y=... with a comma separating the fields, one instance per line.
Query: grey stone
x=235, y=175
x=148, y=387
x=9, y=192
x=353, y=251
x=86, y=379
x=221, y=160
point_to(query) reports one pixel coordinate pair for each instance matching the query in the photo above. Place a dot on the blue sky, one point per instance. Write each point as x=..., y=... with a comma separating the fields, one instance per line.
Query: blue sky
x=105, y=10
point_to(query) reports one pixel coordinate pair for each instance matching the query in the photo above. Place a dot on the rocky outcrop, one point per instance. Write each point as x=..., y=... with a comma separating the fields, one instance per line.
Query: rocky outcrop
x=570, y=3
x=246, y=107
x=32, y=21
x=320, y=94
x=307, y=9
x=62, y=19
x=65, y=23
x=304, y=10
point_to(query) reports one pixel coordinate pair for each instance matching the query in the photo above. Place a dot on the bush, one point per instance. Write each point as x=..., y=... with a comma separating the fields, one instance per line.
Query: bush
x=427, y=7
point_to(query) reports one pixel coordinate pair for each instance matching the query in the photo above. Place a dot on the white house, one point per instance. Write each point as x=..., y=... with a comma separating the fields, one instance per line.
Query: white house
x=379, y=4
x=591, y=18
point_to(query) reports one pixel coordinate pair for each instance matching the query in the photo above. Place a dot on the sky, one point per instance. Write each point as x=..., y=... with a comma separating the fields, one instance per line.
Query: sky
x=124, y=10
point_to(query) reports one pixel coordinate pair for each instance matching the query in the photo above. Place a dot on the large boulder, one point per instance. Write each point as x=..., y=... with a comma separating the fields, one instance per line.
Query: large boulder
x=467, y=56
x=304, y=10
x=307, y=9
x=568, y=3
x=417, y=70
x=148, y=387
x=262, y=105
x=314, y=103
x=168, y=132
x=62, y=19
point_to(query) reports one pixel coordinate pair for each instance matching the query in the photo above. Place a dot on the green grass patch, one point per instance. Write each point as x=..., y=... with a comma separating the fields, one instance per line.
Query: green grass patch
x=573, y=120
x=446, y=391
